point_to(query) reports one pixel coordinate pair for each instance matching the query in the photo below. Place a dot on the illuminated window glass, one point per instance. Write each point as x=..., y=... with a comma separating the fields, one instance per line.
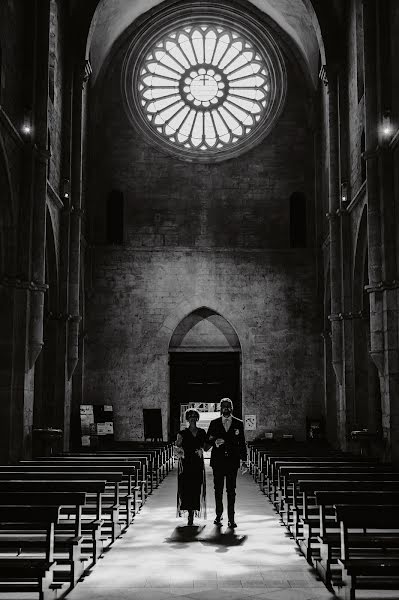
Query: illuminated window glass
x=204, y=87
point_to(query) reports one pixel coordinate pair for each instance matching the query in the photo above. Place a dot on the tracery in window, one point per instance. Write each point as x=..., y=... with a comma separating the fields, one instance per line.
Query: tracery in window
x=204, y=86
x=207, y=87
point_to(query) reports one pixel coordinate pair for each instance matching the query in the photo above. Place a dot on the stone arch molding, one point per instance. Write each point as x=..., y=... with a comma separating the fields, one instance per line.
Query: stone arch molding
x=162, y=340
x=204, y=330
x=296, y=18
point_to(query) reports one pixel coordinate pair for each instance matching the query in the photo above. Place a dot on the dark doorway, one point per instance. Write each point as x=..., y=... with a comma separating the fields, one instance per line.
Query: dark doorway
x=202, y=377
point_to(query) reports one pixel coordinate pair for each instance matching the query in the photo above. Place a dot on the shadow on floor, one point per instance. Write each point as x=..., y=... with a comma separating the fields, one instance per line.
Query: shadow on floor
x=185, y=534
x=223, y=540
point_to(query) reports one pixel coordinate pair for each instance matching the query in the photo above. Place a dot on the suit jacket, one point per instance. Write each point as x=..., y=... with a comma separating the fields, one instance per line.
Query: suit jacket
x=233, y=449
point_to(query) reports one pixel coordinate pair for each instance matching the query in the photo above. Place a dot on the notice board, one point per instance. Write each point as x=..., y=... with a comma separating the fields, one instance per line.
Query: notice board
x=96, y=424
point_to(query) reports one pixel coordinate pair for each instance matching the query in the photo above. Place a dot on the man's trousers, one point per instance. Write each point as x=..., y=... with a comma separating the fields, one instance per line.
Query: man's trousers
x=221, y=474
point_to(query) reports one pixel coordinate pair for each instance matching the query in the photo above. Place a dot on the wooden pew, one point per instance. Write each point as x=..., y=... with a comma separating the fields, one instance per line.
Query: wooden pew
x=285, y=496
x=22, y=541
x=380, y=570
x=112, y=476
x=267, y=460
x=329, y=537
x=148, y=470
x=93, y=541
x=280, y=467
x=259, y=452
x=33, y=575
x=301, y=524
x=281, y=489
x=135, y=470
x=306, y=528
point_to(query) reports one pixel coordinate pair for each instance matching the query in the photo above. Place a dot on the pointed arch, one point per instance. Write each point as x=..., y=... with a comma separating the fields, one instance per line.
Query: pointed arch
x=203, y=330
x=205, y=366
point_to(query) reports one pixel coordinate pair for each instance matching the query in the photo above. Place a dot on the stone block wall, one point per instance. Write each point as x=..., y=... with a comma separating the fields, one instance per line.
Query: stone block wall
x=55, y=106
x=139, y=297
x=201, y=235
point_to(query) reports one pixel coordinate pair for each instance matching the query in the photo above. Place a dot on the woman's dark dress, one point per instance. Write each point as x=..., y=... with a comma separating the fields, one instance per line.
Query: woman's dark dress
x=191, y=473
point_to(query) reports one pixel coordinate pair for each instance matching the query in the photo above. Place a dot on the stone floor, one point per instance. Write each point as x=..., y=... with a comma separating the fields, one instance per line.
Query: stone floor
x=160, y=558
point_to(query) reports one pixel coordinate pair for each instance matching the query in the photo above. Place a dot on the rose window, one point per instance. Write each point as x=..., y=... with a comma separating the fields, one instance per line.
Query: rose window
x=205, y=91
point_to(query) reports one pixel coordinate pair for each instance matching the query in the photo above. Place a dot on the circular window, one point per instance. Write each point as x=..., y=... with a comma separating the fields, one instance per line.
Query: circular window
x=204, y=90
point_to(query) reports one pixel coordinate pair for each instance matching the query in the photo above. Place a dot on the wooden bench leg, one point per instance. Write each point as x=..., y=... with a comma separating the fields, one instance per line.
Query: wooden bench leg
x=97, y=544
x=45, y=582
x=77, y=565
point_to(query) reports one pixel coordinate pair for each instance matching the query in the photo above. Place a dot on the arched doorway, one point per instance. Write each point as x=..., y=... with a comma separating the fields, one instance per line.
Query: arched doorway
x=205, y=365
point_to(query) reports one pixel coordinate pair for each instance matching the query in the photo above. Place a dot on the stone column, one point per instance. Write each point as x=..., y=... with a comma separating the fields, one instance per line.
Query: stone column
x=39, y=190
x=335, y=252
x=383, y=279
x=334, y=228
x=81, y=76
x=373, y=197
x=76, y=215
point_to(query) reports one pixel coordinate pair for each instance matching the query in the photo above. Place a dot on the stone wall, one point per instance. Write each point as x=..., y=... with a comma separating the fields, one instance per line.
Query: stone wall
x=140, y=296
x=213, y=235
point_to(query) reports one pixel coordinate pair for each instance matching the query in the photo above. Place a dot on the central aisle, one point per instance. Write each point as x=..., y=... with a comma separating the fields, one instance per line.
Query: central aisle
x=160, y=558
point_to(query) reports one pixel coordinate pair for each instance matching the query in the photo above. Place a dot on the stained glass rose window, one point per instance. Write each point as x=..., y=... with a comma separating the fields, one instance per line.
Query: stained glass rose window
x=206, y=89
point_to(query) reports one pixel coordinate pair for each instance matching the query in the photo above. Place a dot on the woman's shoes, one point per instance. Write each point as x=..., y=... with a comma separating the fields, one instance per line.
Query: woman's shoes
x=190, y=520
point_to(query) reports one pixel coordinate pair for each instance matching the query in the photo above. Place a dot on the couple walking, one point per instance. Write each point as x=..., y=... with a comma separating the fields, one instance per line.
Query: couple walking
x=226, y=438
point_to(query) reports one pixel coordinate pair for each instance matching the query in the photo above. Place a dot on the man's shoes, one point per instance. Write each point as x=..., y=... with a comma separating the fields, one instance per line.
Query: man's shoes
x=218, y=520
x=232, y=524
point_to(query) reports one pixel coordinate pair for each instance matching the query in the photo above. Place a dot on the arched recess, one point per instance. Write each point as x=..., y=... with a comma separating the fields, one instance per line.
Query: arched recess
x=367, y=408
x=205, y=363
x=330, y=383
x=46, y=411
x=296, y=19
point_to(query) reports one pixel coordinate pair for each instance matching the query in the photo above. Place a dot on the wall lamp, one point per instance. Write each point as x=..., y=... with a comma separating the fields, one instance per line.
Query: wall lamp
x=66, y=188
x=387, y=128
x=344, y=192
x=27, y=122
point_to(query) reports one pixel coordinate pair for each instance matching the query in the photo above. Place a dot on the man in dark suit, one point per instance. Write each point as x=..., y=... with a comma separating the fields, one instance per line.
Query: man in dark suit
x=226, y=437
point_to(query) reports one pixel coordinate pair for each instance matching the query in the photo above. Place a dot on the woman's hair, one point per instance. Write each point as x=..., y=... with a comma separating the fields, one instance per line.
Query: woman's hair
x=191, y=410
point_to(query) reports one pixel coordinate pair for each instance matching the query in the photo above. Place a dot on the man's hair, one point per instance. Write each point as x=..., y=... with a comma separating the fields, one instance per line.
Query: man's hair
x=226, y=400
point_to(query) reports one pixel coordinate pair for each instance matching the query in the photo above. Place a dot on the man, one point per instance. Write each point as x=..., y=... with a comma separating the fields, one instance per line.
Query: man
x=226, y=437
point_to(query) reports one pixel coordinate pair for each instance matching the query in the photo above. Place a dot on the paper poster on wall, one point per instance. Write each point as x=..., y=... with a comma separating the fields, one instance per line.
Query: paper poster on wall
x=86, y=419
x=105, y=428
x=250, y=422
x=96, y=421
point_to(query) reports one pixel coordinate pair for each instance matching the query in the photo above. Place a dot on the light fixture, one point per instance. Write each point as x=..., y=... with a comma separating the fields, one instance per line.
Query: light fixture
x=27, y=122
x=344, y=191
x=66, y=188
x=387, y=124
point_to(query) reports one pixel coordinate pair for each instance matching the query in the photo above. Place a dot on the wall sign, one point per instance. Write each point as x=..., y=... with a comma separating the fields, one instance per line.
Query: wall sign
x=250, y=422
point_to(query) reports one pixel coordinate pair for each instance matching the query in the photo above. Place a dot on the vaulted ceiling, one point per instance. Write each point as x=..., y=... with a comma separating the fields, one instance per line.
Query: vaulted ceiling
x=296, y=18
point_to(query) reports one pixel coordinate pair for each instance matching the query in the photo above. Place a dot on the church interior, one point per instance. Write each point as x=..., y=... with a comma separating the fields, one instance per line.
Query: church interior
x=198, y=200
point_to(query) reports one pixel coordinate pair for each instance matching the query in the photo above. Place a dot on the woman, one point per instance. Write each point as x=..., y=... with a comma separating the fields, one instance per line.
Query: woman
x=191, y=472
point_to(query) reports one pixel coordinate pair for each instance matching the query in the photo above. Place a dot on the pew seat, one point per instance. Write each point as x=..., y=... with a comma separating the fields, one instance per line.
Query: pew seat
x=378, y=567
x=36, y=575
